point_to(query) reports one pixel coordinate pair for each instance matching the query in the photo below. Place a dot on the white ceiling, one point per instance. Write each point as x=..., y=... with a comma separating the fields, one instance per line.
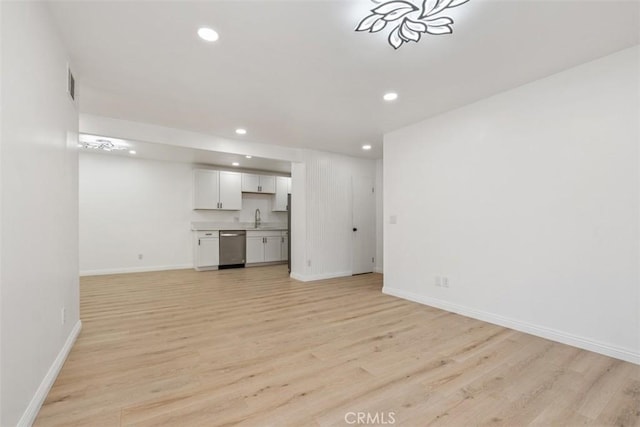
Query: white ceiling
x=295, y=73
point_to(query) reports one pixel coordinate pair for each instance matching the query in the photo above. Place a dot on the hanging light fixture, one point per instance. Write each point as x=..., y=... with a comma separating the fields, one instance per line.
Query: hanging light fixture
x=410, y=21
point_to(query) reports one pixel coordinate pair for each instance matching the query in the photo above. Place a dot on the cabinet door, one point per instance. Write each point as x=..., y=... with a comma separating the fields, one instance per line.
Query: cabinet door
x=280, y=198
x=267, y=184
x=250, y=183
x=230, y=191
x=285, y=248
x=255, y=249
x=205, y=190
x=208, y=252
x=273, y=249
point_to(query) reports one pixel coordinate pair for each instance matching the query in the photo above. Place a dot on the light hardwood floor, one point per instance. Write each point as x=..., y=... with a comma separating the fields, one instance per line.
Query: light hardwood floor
x=253, y=347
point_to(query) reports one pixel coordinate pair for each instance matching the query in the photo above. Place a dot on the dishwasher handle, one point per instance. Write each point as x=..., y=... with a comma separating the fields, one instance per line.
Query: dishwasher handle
x=231, y=235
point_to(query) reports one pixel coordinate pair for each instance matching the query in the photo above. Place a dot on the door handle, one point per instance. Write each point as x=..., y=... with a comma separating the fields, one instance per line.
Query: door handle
x=355, y=229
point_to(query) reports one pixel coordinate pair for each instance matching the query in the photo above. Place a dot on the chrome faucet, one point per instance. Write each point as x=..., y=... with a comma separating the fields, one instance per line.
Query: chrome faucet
x=257, y=218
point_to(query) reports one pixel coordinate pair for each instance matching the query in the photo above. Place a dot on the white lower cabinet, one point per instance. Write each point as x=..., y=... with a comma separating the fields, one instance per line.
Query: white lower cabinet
x=207, y=250
x=264, y=246
x=272, y=248
x=255, y=248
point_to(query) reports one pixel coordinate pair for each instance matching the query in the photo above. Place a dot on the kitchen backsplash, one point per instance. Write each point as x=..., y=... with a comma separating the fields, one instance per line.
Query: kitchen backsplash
x=250, y=202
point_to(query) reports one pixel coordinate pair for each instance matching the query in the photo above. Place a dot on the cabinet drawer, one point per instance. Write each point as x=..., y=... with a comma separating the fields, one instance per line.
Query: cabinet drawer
x=264, y=233
x=203, y=234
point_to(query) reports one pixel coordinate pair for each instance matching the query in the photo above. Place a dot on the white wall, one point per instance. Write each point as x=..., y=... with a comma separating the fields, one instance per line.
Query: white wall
x=328, y=220
x=131, y=206
x=39, y=216
x=379, y=217
x=528, y=202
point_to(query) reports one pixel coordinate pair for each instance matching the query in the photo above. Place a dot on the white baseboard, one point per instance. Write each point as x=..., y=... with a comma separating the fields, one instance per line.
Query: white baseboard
x=312, y=277
x=30, y=414
x=133, y=270
x=540, y=331
x=378, y=270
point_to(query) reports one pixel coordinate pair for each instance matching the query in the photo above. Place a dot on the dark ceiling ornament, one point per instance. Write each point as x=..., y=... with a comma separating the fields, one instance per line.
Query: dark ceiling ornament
x=410, y=21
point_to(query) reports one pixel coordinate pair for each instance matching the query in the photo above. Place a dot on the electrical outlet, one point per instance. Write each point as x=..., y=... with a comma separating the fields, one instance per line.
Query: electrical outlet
x=140, y=256
x=445, y=282
x=63, y=315
x=438, y=281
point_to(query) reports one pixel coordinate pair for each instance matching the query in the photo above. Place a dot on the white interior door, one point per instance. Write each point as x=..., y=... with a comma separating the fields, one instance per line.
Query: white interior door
x=364, y=241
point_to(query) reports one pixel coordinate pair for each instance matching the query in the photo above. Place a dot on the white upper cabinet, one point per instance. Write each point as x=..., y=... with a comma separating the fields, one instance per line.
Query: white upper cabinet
x=206, y=189
x=280, y=198
x=217, y=190
x=267, y=184
x=230, y=191
x=252, y=183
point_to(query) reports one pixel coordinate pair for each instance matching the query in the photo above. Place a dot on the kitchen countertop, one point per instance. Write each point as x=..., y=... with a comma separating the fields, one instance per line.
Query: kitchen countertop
x=215, y=226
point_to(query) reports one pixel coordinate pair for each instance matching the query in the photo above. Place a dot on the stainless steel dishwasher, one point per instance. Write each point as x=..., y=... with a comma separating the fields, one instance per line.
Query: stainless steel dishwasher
x=233, y=248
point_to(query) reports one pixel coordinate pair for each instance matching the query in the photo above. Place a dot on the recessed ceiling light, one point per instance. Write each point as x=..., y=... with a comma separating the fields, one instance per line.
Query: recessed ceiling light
x=248, y=157
x=241, y=131
x=132, y=151
x=366, y=147
x=208, y=34
x=390, y=96
x=235, y=164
